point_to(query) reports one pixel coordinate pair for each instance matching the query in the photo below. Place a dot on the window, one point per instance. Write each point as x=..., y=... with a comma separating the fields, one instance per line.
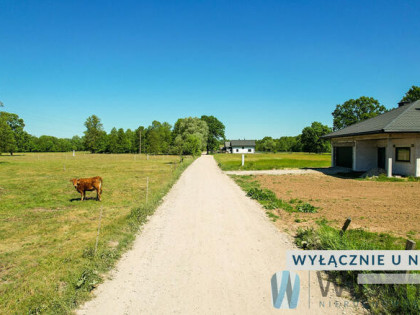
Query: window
x=237, y=150
x=243, y=148
x=249, y=150
x=402, y=154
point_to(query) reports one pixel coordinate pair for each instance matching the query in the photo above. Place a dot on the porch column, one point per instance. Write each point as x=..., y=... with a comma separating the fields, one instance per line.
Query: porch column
x=389, y=154
x=417, y=158
x=332, y=155
x=355, y=156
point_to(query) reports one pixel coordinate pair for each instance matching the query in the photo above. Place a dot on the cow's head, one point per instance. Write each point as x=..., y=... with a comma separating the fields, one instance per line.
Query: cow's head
x=75, y=182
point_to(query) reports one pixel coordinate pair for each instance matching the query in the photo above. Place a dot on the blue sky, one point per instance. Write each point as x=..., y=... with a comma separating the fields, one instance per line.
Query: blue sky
x=261, y=67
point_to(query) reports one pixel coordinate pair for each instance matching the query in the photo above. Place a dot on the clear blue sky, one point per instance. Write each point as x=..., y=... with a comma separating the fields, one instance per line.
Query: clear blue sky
x=261, y=67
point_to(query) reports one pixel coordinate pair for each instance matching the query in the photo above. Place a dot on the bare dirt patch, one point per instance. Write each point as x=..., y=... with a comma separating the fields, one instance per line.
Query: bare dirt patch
x=376, y=206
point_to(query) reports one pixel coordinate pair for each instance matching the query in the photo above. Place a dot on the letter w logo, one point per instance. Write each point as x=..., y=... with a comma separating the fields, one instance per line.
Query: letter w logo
x=285, y=279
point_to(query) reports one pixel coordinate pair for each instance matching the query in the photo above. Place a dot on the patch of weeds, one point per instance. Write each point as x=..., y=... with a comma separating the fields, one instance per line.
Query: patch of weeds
x=262, y=195
x=268, y=198
x=87, y=280
x=411, y=233
x=381, y=299
x=301, y=206
x=298, y=220
x=321, y=221
x=306, y=208
x=272, y=216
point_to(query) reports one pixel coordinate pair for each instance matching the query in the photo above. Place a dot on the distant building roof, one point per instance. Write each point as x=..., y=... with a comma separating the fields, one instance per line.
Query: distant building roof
x=405, y=118
x=240, y=143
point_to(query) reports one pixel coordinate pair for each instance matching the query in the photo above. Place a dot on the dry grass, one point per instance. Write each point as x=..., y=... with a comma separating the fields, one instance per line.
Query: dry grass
x=47, y=233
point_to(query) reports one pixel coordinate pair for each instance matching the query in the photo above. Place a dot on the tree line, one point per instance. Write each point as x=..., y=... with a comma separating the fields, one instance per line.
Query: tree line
x=189, y=135
x=344, y=115
x=308, y=141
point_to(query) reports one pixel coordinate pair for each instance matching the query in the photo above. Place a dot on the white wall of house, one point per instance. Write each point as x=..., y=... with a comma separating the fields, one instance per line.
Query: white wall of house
x=404, y=168
x=366, y=155
x=365, y=152
x=241, y=150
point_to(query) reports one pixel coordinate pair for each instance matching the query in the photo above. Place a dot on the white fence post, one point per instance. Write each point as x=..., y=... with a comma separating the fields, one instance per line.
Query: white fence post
x=243, y=159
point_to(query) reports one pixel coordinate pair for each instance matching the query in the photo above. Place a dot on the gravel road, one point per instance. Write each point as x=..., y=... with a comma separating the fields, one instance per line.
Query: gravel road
x=208, y=249
x=293, y=171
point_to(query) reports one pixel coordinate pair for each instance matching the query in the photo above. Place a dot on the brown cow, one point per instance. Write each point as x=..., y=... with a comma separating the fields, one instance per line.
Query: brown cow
x=88, y=184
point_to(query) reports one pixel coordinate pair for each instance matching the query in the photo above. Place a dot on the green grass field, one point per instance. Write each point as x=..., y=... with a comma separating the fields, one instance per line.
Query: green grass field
x=48, y=262
x=270, y=161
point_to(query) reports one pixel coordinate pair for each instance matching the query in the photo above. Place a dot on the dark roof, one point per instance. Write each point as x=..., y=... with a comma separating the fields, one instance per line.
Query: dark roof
x=405, y=118
x=240, y=143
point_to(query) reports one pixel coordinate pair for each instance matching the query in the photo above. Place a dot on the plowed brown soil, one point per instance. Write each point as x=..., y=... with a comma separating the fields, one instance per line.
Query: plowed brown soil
x=392, y=207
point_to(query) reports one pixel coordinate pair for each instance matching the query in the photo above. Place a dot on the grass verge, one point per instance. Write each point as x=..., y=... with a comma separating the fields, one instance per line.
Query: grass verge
x=268, y=198
x=381, y=299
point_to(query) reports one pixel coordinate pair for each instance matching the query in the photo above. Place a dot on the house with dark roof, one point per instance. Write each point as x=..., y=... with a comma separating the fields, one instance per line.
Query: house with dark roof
x=390, y=141
x=240, y=146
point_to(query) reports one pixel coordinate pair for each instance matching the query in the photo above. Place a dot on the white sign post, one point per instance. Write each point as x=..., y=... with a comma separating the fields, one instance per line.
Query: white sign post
x=243, y=159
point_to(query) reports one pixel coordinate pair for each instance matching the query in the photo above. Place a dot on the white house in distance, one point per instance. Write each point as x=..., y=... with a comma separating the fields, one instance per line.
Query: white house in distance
x=240, y=146
x=390, y=141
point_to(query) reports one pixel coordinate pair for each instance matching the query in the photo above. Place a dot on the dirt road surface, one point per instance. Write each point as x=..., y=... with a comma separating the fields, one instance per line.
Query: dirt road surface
x=293, y=171
x=208, y=249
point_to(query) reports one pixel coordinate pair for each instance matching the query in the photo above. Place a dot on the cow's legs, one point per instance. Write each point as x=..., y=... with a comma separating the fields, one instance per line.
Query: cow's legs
x=82, y=193
x=98, y=194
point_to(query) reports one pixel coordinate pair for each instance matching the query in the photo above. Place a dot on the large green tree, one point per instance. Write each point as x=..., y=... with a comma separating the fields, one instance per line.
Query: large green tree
x=123, y=142
x=412, y=95
x=216, y=133
x=112, y=141
x=131, y=141
x=311, y=138
x=16, y=124
x=353, y=111
x=288, y=144
x=158, y=137
x=7, y=138
x=77, y=143
x=186, y=127
x=95, y=136
x=266, y=144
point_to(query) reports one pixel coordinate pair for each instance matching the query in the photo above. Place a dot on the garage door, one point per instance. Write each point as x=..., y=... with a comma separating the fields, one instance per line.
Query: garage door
x=344, y=156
